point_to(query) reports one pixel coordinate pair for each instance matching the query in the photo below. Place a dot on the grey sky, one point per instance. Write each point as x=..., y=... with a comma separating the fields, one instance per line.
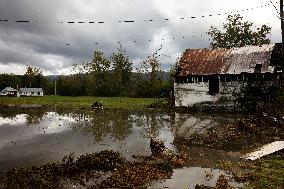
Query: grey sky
x=43, y=44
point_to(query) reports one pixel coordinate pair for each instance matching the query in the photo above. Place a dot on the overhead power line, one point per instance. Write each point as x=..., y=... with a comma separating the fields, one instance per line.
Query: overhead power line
x=162, y=40
x=274, y=6
x=5, y=20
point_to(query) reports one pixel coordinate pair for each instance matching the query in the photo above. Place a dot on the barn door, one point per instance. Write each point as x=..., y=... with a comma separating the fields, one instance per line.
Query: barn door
x=213, y=85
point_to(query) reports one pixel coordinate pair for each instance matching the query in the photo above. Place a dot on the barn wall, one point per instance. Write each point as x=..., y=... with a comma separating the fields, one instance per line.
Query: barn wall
x=188, y=94
x=230, y=87
x=234, y=87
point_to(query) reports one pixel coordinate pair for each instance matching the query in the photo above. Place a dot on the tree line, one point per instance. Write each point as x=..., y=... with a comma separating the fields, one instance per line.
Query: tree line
x=102, y=76
x=33, y=78
x=114, y=76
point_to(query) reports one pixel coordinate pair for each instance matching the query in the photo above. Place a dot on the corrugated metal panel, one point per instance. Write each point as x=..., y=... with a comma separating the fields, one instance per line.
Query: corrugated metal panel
x=226, y=61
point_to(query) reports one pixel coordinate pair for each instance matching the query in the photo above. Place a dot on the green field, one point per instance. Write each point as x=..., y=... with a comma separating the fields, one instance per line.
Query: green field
x=81, y=102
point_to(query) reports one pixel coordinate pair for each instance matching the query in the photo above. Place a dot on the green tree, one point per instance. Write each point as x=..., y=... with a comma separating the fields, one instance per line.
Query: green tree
x=100, y=69
x=69, y=86
x=238, y=33
x=9, y=80
x=34, y=78
x=152, y=66
x=121, y=70
x=97, y=74
x=32, y=74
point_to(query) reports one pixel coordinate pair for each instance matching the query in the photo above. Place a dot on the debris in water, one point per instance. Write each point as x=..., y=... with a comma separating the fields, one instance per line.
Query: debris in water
x=157, y=147
x=97, y=105
x=222, y=183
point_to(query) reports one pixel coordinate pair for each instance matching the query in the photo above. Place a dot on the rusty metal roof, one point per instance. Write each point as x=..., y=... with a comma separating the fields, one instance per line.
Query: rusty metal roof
x=226, y=61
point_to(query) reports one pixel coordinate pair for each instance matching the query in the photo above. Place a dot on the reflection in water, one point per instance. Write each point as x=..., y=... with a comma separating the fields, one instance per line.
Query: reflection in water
x=50, y=135
x=34, y=115
x=103, y=123
x=119, y=124
x=33, y=136
x=190, y=177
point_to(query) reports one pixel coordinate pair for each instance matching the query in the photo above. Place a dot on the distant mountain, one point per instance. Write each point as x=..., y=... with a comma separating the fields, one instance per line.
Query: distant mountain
x=165, y=76
x=52, y=77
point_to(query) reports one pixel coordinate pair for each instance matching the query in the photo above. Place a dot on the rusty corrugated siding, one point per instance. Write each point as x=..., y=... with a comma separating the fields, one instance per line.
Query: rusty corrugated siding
x=226, y=61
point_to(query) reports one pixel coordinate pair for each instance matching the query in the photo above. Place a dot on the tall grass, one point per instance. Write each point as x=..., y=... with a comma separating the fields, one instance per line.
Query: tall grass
x=82, y=101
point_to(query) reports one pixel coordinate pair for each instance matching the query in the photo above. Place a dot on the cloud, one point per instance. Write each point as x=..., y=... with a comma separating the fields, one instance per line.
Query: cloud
x=43, y=44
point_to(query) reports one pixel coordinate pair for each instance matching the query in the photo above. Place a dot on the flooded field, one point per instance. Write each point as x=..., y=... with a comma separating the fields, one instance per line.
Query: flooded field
x=37, y=135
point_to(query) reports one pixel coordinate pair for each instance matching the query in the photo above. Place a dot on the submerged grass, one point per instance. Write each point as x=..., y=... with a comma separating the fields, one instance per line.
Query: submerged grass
x=267, y=172
x=82, y=101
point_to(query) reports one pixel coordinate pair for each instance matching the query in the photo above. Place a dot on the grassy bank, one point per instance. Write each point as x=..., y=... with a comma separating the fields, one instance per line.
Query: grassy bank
x=81, y=102
x=266, y=172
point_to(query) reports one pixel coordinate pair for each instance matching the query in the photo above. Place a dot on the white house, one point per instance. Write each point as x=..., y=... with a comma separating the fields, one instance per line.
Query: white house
x=30, y=92
x=8, y=91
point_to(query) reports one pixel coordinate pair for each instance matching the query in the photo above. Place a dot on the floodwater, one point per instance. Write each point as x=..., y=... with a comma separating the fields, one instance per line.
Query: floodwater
x=38, y=135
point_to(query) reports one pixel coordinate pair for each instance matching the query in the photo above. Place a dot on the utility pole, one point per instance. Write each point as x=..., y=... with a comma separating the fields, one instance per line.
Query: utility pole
x=282, y=24
x=282, y=49
x=55, y=87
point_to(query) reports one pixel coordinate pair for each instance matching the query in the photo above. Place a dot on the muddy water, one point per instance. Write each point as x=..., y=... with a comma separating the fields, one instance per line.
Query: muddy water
x=34, y=136
x=192, y=176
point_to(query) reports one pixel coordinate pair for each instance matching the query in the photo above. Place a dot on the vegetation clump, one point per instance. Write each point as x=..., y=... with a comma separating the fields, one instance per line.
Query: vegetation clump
x=53, y=174
x=90, y=167
x=141, y=173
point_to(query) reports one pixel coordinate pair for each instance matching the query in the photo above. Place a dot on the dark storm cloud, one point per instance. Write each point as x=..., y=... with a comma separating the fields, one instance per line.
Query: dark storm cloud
x=43, y=44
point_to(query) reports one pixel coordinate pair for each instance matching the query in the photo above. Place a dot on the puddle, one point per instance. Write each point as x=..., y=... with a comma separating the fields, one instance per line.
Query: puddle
x=190, y=177
x=29, y=140
x=34, y=136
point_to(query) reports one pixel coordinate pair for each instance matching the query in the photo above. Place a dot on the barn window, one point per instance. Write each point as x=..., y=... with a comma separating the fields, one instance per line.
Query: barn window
x=239, y=77
x=205, y=79
x=234, y=78
x=251, y=77
x=229, y=78
x=199, y=78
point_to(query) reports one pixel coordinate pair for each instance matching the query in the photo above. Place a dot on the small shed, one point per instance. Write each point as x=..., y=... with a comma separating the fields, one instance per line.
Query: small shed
x=204, y=75
x=8, y=91
x=30, y=92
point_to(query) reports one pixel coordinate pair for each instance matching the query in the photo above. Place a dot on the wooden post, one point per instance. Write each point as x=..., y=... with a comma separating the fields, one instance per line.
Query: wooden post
x=282, y=25
x=282, y=49
x=55, y=88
